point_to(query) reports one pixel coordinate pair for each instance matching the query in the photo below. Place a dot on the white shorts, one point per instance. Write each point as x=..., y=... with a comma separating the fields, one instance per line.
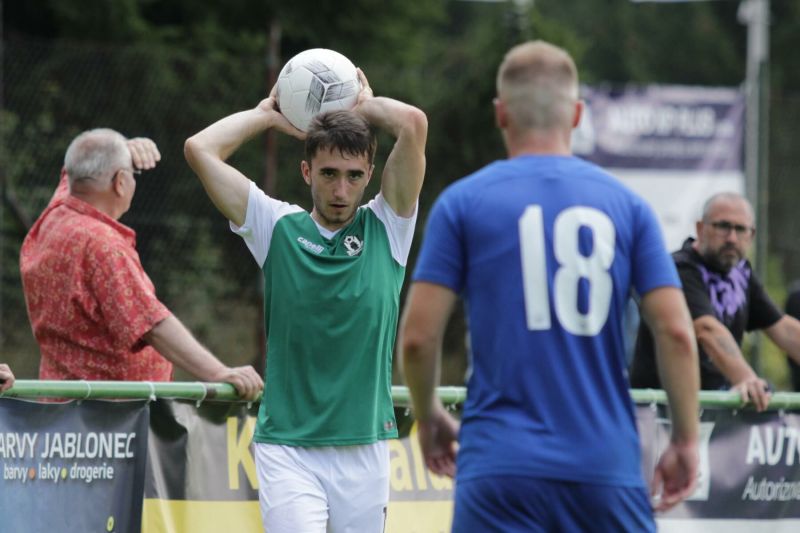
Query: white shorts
x=333, y=489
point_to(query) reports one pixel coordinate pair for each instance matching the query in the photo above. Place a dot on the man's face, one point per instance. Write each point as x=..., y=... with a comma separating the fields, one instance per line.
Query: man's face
x=724, y=237
x=126, y=186
x=337, y=184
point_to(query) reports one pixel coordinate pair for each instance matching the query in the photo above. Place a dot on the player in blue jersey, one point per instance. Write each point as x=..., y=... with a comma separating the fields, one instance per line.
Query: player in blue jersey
x=545, y=248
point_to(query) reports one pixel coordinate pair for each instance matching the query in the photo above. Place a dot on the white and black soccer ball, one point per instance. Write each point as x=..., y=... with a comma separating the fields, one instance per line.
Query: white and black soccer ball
x=315, y=81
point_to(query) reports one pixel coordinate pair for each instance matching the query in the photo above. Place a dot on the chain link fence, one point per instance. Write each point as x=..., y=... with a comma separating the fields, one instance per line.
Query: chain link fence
x=54, y=90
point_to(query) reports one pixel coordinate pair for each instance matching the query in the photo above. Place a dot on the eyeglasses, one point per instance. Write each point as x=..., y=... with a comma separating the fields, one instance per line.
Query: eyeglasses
x=724, y=227
x=134, y=172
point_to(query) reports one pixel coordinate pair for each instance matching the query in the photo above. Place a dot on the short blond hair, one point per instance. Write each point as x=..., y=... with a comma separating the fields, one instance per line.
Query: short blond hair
x=538, y=82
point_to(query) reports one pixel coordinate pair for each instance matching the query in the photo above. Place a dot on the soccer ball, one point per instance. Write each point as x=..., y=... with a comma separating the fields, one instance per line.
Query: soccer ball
x=315, y=81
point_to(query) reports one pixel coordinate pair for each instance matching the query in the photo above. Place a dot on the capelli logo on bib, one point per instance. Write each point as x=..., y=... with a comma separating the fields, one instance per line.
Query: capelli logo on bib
x=310, y=246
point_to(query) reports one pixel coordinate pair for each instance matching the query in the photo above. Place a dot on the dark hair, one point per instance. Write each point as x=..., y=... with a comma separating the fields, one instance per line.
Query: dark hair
x=348, y=132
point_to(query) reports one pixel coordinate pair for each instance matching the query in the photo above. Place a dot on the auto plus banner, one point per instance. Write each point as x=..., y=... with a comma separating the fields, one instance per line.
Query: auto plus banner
x=72, y=467
x=749, y=471
x=674, y=145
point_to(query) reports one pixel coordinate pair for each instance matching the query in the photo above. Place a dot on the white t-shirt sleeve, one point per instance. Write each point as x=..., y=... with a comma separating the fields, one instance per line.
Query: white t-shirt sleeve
x=399, y=229
x=262, y=214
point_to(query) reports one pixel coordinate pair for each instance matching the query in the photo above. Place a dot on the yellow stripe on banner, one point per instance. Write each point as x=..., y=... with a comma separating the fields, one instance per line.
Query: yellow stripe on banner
x=419, y=517
x=178, y=516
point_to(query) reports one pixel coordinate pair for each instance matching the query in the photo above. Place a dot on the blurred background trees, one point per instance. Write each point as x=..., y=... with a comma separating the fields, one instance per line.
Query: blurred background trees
x=167, y=68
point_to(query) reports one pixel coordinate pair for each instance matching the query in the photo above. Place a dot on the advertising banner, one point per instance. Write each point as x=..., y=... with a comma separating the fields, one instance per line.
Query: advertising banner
x=201, y=474
x=203, y=470
x=674, y=145
x=749, y=471
x=93, y=466
x=72, y=467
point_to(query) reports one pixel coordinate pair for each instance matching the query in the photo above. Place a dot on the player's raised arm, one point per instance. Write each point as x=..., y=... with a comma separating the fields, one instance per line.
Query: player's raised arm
x=207, y=151
x=404, y=170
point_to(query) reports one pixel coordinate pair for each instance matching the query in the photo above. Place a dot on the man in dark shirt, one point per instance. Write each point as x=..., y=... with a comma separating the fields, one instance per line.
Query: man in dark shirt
x=725, y=299
x=792, y=308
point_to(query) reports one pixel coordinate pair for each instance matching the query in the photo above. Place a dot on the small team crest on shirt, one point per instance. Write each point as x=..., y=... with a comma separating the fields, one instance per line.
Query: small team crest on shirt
x=353, y=245
x=388, y=425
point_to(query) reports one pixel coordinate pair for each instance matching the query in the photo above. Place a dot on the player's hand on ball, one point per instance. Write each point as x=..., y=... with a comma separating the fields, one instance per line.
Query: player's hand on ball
x=278, y=121
x=366, y=91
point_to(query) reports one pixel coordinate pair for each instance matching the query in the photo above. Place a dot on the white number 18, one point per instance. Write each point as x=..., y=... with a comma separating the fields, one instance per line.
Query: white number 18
x=572, y=266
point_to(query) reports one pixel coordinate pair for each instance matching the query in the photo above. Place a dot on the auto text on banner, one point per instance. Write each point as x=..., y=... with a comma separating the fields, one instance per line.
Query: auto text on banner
x=749, y=471
x=674, y=145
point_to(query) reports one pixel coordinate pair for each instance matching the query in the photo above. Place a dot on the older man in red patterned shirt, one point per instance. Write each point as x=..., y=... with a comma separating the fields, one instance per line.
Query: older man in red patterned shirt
x=92, y=307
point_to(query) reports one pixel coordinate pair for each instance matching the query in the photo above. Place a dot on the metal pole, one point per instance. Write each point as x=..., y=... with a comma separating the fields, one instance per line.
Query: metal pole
x=269, y=182
x=273, y=67
x=755, y=14
x=522, y=13
x=2, y=189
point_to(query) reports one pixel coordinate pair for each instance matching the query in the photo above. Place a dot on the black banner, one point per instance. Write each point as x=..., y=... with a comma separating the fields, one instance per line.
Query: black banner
x=72, y=467
x=84, y=467
x=749, y=463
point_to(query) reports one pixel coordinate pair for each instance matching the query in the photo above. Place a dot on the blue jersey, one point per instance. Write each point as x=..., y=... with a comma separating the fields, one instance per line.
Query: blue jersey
x=544, y=251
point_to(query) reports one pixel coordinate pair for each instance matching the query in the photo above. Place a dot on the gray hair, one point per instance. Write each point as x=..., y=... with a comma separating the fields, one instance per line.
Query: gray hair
x=727, y=196
x=95, y=154
x=538, y=82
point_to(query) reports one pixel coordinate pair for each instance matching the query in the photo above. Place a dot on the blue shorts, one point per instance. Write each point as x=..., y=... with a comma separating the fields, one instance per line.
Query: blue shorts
x=511, y=504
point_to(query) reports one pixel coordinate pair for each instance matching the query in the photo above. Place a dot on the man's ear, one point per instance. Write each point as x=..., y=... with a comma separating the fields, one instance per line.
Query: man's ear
x=305, y=169
x=117, y=185
x=576, y=119
x=500, y=114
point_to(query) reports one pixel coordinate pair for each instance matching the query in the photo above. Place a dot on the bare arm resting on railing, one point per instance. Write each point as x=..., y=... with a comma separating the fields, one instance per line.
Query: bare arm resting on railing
x=721, y=347
x=172, y=340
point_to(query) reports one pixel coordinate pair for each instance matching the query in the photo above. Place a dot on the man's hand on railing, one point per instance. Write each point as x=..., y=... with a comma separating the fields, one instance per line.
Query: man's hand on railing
x=245, y=379
x=754, y=390
x=6, y=377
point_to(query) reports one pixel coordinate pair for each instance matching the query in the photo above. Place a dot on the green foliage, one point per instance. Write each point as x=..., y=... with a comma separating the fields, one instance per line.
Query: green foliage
x=770, y=362
x=168, y=68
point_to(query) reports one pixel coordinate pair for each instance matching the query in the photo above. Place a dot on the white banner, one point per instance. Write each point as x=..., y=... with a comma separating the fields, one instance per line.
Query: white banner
x=674, y=145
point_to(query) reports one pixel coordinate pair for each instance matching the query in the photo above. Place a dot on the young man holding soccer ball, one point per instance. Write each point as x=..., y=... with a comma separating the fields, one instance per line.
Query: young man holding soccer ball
x=332, y=287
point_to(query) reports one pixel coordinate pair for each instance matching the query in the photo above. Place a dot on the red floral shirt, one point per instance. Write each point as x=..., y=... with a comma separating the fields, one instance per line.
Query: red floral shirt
x=88, y=297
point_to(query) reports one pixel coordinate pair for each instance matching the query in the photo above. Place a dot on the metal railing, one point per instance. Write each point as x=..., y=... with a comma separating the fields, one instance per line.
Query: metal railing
x=195, y=390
